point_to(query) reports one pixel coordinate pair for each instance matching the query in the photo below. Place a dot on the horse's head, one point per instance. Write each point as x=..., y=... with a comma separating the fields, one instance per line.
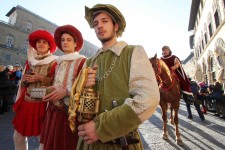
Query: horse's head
x=155, y=64
x=163, y=75
x=160, y=68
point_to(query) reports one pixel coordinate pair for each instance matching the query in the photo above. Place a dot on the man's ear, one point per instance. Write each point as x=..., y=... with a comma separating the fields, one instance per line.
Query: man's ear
x=116, y=27
x=75, y=45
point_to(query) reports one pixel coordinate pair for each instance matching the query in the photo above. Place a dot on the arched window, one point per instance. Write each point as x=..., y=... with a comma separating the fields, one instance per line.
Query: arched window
x=212, y=68
x=205, y=34
x=210, y=25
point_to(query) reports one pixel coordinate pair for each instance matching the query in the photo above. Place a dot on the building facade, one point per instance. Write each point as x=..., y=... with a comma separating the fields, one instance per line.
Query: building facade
x=207, y=23
x=14, y=36
x=189, y=66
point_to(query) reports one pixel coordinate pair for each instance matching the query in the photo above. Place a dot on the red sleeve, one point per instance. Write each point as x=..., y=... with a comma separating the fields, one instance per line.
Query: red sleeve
x=81, y=65
x=52, y=71
x=26, y=67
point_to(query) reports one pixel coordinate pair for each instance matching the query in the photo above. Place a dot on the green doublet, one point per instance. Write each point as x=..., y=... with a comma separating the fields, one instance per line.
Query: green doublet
x=112, y=122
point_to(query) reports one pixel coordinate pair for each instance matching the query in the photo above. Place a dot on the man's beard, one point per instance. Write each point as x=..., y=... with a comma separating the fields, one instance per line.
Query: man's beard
x=103, y=40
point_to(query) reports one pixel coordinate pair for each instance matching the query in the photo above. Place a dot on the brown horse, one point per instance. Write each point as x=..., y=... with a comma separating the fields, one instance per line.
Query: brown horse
x=169, y=95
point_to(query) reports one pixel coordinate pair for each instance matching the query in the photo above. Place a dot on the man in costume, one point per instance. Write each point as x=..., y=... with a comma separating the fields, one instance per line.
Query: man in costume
x=122, y=78
x=39, y=72
x=56, y=133
x=174, y=64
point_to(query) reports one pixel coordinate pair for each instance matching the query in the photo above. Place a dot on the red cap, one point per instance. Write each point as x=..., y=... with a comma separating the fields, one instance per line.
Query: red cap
x=42, y=34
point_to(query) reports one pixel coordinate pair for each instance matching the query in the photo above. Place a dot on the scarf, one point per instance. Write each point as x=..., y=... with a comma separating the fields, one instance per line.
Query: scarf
x=32, y=55
x=71, y=56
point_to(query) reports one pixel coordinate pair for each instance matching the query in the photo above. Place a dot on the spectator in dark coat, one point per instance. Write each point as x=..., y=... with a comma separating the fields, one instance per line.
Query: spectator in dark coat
x=16, y=76
x=217, y=94
x=7, y=88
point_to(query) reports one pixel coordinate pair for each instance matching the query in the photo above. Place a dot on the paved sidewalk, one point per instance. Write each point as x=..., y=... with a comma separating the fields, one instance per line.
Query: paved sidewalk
x=196, y=134
x=6, y=134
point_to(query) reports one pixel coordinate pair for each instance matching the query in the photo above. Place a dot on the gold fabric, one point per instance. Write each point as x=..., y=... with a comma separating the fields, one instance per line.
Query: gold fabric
x=47, y=80
x=76, y=90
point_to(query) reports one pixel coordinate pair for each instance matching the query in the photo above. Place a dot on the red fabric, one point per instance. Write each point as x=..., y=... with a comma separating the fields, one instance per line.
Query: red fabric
x=29, y=116
x=179, y=72
x=52, y=71
x=202, y=84
x=56, y=133
x=42, y=34
x=73, y=31
x=81, y=65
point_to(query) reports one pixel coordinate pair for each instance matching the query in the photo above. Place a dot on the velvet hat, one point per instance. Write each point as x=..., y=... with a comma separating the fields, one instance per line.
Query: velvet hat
x=42, y=34
x=73, y=32
x=115, y=14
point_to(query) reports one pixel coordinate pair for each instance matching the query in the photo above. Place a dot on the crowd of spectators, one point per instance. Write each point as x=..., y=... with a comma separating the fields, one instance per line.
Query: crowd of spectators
x=9, y=80
x=211, y=97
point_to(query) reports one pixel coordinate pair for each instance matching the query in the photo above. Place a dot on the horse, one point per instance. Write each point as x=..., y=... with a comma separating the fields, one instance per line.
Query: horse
x=169, y=94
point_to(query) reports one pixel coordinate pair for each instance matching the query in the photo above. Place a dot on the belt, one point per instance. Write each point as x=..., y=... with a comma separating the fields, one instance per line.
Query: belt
x=130, y=140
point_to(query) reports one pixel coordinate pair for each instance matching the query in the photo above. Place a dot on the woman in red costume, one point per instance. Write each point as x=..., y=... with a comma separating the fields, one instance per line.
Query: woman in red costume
x=174, y=63
x=38, y=72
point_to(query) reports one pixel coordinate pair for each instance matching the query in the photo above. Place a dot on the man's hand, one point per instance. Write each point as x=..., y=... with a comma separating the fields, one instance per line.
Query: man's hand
x=33, y=78
x=173, y=68
x=91, y=76
x=88, y=132
x=57, y=94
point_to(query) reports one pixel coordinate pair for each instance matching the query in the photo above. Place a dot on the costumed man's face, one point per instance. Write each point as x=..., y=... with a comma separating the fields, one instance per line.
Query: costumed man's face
x=68, y=43
x=104, y=27
x=42, y=46
x=165, y=52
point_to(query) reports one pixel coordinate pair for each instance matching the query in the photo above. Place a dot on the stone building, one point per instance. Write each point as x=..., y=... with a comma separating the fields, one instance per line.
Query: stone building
x=207, y=23
x=189, y=66
x=14, y=35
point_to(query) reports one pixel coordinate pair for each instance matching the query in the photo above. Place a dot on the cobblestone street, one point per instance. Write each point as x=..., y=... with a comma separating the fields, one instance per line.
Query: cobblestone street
x=196, y=134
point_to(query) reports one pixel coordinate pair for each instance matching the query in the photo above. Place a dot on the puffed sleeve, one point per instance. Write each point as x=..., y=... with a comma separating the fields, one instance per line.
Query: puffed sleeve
x=142, y=85
x=144, y=100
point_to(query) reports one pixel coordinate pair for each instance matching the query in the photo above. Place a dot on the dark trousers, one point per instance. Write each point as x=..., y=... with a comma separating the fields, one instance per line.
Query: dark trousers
x=197, y=106
x=4, y=103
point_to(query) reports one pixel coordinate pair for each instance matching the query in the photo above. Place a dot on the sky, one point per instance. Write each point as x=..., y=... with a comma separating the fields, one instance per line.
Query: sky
x=150, y=23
